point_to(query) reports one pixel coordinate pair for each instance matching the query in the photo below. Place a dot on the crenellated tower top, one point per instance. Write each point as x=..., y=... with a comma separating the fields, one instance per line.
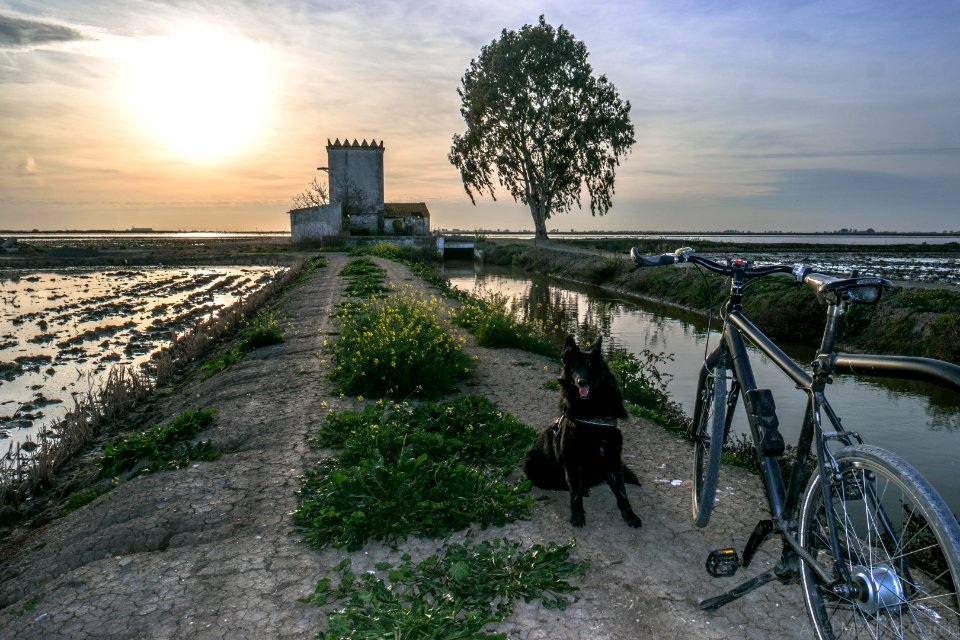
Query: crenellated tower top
x=346, y=144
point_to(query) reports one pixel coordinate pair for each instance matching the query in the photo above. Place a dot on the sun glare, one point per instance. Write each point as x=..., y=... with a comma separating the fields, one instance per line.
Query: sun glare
x=203, y=92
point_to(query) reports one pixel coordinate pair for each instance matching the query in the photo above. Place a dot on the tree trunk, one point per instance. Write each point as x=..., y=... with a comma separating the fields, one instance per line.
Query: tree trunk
x=539, y=222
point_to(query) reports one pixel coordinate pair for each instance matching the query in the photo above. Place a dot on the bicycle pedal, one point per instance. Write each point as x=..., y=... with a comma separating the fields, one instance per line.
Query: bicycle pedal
x=722, y=563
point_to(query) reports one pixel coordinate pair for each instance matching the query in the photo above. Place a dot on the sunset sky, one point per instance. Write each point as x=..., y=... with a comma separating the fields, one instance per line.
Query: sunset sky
x=212, y=115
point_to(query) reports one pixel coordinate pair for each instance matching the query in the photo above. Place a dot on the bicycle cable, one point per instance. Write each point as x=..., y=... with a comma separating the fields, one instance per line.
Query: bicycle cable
x=720, y=312
x=706, y=343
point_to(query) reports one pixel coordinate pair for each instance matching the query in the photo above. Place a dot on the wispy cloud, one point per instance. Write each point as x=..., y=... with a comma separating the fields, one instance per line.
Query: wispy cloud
x=862, y=153
x=16, y=33
x=748, y=115
x=27, y=166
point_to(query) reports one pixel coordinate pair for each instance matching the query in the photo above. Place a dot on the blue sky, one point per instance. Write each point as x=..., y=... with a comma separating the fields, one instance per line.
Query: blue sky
x=799, y=116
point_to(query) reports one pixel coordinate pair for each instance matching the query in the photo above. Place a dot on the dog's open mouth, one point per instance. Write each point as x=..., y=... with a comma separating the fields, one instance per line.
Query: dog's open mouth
x=584, y=392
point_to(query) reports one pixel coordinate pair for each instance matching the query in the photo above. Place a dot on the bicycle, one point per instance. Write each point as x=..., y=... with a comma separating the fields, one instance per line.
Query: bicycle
x=874, y=547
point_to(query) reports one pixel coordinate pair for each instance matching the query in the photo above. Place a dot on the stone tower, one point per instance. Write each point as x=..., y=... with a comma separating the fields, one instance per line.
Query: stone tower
x=356, y=175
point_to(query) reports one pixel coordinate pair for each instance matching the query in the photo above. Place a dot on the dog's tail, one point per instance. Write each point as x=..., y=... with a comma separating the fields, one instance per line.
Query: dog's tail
x=629, y=477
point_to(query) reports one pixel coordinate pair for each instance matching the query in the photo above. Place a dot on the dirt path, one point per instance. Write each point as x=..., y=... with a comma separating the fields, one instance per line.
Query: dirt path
x=207, y=551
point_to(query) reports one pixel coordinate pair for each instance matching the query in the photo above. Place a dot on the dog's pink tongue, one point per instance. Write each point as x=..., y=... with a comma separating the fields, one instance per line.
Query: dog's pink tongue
x=584, y=392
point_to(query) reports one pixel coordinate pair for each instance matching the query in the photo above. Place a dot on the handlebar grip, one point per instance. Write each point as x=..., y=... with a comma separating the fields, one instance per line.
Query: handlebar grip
x=657, y=261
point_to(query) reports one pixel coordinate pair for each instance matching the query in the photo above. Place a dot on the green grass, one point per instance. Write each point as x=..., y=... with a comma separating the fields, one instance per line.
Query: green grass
x=28, y=606
x=494, y=324
x=451, y=594
x=644, y=388
x=362, y=267
x=367, y=279
x=164, y=447
x=427, y=470
x=82, y=498
x=391, y=251
x=262, y=331
x=929, y=300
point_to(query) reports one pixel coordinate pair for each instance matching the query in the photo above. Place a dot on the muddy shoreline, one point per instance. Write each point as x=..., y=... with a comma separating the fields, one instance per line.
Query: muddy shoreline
x=207, y=551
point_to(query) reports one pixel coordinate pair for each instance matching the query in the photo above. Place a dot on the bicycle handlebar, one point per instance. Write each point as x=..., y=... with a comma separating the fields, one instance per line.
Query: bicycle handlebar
x=859, y=290
x=685, y=254
x=657, y=261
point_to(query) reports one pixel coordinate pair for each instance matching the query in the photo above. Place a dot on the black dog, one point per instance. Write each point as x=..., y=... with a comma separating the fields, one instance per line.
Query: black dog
x=583, y=448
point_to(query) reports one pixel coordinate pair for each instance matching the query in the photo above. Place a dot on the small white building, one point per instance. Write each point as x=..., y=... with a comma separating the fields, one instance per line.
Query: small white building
x=315, y=223
x=356, y=199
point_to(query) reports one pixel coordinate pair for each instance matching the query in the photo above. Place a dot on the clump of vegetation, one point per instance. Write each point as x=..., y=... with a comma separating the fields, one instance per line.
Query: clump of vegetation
x=496, y=325
x=78, y=499
x=367, y=279
x=598, y=271
x=165, y=447
x=426, y=470
x=451, y=594
x=397, y=347
x=362, y=267
x=387, y=250
x=28, y=606
x=468, y=427
x=262, y=331
x=644, y=388
x=929, y=300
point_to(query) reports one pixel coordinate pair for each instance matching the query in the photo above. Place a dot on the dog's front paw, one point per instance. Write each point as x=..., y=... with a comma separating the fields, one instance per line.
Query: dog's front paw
x=578, y=519
x=632, y=520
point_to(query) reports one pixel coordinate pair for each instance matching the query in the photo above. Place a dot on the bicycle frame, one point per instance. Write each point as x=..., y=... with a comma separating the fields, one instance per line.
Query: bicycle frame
x=828, y=566
x=783, y=498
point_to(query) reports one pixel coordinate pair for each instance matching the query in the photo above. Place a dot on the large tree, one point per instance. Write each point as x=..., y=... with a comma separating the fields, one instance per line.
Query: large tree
x=538, y=118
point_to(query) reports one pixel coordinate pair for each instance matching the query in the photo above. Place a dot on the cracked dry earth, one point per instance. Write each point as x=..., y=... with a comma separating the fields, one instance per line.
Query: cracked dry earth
x=207, y=551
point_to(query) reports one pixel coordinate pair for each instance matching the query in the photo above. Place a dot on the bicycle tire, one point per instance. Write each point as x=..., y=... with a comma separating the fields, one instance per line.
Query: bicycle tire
x=906, y=583
x=710, y=412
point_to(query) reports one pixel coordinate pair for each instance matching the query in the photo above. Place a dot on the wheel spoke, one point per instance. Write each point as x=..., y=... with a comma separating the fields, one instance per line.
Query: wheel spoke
x=899, y=544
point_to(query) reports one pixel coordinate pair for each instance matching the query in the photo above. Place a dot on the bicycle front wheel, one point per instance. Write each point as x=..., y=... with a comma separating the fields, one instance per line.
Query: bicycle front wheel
x=898, y=541
x=710, y=414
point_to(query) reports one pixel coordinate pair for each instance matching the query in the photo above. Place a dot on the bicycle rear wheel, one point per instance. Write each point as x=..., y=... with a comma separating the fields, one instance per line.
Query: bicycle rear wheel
x=899, y=542
x=710, y=414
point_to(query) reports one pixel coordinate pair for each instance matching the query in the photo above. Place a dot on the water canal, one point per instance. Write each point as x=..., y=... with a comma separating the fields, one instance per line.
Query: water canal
x=918, y=421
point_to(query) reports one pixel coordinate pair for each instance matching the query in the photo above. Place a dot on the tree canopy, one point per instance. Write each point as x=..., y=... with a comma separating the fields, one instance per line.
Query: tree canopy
x=539, y=119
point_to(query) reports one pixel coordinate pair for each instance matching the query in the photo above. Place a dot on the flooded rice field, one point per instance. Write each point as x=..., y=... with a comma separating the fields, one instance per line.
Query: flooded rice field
x=61, y=331
x=942, y=269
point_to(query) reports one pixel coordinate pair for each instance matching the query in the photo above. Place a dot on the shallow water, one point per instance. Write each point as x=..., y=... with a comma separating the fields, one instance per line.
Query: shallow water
x=918, y=421
x=62, y=331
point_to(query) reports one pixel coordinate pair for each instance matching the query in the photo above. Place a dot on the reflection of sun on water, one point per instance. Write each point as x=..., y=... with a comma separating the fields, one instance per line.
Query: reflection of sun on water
x=202, y=92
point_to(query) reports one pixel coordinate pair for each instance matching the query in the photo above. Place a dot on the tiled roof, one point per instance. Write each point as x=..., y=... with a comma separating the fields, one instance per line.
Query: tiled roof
x=400, y=209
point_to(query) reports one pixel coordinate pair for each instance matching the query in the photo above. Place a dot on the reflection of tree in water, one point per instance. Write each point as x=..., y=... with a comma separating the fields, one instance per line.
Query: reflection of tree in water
x=551, y=308
x=943, y=418
x=940, y=404
x=557, y=311
x=599, y=315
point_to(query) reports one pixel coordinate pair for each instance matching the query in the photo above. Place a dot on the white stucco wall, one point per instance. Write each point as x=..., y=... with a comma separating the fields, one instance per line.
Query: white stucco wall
x=315, y=223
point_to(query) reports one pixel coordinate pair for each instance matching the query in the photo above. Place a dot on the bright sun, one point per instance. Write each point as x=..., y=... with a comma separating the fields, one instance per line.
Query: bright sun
x=201, y=91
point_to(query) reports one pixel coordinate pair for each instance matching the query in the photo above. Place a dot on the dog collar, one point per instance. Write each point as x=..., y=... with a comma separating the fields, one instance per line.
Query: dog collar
x=592, y=422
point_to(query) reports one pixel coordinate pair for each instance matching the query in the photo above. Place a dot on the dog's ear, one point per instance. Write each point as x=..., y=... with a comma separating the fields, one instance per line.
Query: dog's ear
x=597, y=346
x=570, y=349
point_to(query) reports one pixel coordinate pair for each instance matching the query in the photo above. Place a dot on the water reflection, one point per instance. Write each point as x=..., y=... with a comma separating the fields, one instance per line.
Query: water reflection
x=917, y=420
